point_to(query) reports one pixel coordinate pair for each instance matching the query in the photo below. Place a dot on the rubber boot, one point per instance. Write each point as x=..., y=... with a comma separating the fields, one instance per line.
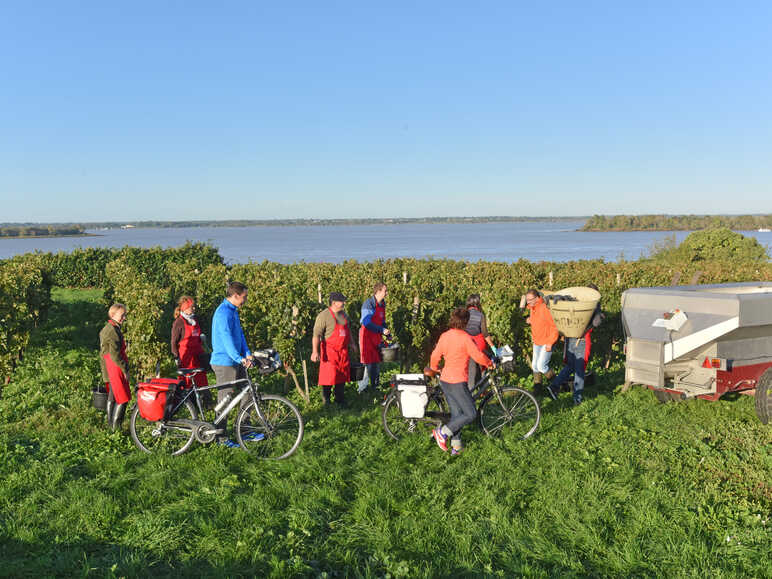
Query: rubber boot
x=538, y=388
x=118, y=413
x=340, y=396
x=109, y=407
x=326, y=391
x=549, y=375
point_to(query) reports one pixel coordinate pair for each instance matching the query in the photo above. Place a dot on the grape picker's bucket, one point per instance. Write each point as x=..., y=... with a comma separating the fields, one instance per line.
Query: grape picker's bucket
x=572, y=315
x=99, y=397
x=389, y=353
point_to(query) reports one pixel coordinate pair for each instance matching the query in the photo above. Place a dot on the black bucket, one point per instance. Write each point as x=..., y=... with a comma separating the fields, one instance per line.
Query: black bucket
x=356, y=372
x=99, y=397
x=390, y=353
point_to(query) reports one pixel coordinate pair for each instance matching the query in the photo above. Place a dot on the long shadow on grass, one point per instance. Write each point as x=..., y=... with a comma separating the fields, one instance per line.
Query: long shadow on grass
x=74, y=324
x=46, y=558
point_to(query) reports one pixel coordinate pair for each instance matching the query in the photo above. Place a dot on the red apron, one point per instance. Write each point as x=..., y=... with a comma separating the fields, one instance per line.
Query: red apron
x=118, y=382
x=191, y=349
x=369, y=341
x=333, y=356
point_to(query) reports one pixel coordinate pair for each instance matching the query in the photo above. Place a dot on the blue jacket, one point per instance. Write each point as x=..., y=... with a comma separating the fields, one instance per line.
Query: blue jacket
x=368, y=311
x=229, y=345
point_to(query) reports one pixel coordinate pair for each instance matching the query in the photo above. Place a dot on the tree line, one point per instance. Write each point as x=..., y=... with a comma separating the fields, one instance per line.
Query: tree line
x=675, y=222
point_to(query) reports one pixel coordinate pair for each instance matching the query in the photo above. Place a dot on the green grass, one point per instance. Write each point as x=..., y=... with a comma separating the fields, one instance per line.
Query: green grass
x=621, y=486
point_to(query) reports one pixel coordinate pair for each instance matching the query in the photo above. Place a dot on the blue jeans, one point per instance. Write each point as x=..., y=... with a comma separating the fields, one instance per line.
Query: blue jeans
x=575, y=364
x=372, y=375
x=541, y=359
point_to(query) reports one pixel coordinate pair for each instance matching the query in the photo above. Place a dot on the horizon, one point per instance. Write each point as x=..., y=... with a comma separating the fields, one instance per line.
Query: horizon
x=305, y=111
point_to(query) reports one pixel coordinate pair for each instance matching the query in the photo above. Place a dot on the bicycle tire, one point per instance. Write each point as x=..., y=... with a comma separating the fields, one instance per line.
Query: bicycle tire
x=520, y=413
x=163, y=436
x=398, y=426
x=275, y=438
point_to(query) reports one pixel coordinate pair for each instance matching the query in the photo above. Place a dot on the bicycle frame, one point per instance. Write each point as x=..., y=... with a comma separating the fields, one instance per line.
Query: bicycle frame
x=248, y=388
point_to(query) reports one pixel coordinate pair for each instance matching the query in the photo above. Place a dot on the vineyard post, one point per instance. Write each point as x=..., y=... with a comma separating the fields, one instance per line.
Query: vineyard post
x=619, y=278
x=550, y=279
x=404, y=278
x=695, y=277
x=305, y=379
x=319, y=292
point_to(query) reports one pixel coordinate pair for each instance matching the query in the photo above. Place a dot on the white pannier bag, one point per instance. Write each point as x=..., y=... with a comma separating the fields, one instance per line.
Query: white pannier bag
x=412, y=394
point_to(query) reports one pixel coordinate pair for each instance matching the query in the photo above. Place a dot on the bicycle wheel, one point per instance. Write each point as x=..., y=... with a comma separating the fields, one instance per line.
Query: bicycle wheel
x=164, y=437
x=398, y=426
x=274, y=436
x=520, y=412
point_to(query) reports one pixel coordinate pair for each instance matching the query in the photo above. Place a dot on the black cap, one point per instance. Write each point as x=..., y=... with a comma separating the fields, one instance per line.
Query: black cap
x=337, y=297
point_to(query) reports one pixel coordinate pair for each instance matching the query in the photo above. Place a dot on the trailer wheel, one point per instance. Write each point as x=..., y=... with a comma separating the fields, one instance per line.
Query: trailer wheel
x=764, y=397
x=664, y=396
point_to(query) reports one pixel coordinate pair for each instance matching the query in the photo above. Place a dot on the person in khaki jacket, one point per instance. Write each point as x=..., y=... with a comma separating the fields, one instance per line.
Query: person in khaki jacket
x=115, y=365
x=544, y=334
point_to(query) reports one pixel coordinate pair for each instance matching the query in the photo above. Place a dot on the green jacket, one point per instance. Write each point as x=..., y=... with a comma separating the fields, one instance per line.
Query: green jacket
x=110, y=342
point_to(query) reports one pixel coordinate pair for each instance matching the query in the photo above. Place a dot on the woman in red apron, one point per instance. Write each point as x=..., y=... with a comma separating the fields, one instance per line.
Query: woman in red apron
x=477, y=327
x=115, y=365
x=329, y=347
x=188, y=340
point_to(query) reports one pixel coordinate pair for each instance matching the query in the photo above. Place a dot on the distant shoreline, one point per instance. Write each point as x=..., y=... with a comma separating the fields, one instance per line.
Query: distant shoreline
x=49, y=236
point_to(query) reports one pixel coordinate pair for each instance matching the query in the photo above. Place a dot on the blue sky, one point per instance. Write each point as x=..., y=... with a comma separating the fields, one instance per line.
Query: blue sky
x=224, y=110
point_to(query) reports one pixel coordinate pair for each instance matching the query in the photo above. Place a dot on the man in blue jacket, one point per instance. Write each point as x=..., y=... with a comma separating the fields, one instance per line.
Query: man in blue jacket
x=371, y=332
x=230, y=355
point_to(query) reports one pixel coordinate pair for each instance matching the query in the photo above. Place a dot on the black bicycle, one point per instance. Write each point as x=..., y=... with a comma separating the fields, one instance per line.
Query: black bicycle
x=499, y=407
x=268, y=426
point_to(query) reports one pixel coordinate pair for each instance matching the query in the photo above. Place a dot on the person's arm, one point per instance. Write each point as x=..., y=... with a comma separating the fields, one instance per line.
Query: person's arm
x=178, y=332
x=319, y=332
x=366, y=320
x=484, y=332
x=437, y=353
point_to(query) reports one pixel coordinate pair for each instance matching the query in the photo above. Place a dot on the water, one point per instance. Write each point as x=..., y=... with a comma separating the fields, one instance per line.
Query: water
x=507, y=242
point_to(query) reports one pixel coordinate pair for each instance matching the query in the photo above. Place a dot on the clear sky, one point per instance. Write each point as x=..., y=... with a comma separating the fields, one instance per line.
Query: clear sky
x=118, y=110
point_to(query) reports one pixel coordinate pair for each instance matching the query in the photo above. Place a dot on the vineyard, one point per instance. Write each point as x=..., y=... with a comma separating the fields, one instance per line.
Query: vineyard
x=621, y=486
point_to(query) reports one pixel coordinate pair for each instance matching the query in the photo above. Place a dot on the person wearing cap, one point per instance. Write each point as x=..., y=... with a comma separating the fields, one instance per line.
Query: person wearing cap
x=230, y=355
x=371, y=331
x=329, y=346
x=187, y=342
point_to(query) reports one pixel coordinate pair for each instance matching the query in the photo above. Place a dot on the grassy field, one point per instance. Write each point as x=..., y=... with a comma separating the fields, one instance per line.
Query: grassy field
x=620, y=486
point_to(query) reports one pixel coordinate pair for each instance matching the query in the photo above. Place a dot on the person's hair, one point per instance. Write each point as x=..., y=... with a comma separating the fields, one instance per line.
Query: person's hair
x=116, y=307
x=532, y=292
x=473, y=301
x=180, y=301
x=235, y=288
x=378, y=287
x=459, y=318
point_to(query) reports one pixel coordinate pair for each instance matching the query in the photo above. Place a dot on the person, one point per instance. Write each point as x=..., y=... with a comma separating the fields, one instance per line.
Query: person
x=187, y=342
x=115, y=365
x=544, y=334
x=330, y=345
x=372, y=328
x=576, y=353
x=456, y=347
x=477, y=327
x=230, y=355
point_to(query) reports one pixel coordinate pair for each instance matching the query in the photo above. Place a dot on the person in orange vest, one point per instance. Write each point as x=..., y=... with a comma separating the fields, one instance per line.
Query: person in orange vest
x=371, y=332
x=544, y=334
x=330, y=345
x=115, y=365
x=455, y=347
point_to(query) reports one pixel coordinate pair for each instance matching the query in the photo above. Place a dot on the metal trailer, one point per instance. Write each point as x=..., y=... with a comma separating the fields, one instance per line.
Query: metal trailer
x=701, y=341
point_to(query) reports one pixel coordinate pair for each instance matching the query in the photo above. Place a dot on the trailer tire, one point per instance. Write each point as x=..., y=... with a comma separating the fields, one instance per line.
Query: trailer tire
x=764, y=397
x=664, y=396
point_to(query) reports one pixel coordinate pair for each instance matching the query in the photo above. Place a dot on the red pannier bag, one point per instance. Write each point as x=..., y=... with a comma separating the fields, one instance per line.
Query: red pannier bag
x=155, y=399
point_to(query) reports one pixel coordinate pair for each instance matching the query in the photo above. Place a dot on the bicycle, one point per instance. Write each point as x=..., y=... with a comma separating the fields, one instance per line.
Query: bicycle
x=499, y=406
x=268, y=426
